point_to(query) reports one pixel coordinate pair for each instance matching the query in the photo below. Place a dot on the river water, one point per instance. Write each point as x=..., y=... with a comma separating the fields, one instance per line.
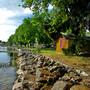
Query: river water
x=7, y=72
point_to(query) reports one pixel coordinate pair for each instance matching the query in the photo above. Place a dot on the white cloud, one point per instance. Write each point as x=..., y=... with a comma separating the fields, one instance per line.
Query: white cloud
x=5, y=14
x=7, y=25
x=6, y=31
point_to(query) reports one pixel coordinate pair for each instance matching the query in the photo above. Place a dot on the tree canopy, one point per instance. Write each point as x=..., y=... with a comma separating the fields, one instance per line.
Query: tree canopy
x=68, y=17
x=72, y=15
x=28, y=32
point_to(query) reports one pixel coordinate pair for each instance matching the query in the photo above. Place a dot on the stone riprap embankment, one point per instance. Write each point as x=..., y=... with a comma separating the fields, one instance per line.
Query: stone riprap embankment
x=37, y=72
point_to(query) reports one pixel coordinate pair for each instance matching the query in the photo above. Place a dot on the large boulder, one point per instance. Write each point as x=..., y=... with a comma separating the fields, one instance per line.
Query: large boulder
x=59, y=85
x=18, y=86
x=79, y=87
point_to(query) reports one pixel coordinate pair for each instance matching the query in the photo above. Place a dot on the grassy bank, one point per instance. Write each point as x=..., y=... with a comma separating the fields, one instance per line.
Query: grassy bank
x=77, y=61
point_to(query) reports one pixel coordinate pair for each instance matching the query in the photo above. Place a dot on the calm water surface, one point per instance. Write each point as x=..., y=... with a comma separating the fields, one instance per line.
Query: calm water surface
x=7, y=72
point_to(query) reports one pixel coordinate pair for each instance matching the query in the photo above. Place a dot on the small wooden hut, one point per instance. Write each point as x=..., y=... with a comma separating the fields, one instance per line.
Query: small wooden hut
x=65, y=42
x=62, y=43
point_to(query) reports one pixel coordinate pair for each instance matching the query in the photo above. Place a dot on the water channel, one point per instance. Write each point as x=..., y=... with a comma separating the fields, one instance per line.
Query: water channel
x=7, y=71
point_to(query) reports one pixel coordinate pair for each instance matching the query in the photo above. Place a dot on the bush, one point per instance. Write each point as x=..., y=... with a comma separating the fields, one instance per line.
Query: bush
x=78, y=45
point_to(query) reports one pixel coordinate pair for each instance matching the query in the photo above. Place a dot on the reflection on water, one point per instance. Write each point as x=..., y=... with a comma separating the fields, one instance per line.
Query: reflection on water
x=4, y=58
x=7, y=77
x=3, y=48
x=7, y=72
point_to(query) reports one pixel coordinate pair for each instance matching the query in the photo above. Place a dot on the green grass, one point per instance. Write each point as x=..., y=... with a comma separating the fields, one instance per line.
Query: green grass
x=48, y=52
x=70, y=60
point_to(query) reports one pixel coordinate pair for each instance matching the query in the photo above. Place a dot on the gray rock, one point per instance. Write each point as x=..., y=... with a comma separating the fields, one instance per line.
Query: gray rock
x=39, y=64
x=22, y=66
x=81, y=73
x=53, y=68
x=20, y=72
x=62, y=70
x=26, y=85
x=59, y=85
x=65, y=77
x=38, y=74
x=84, y=74
x=75, y=80
x=18, y=86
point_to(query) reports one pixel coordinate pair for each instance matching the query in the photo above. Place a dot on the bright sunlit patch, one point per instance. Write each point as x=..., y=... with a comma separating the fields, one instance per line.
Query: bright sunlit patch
x=5, y=14
x=50, y=7
x=27, y=11
x=6, y=31
x=87, y=30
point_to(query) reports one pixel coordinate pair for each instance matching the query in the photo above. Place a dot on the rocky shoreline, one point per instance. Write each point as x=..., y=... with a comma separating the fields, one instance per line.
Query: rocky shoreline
x=37, y=72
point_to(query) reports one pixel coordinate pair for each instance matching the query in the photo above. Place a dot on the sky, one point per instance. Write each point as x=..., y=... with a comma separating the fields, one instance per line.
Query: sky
x=11, y=16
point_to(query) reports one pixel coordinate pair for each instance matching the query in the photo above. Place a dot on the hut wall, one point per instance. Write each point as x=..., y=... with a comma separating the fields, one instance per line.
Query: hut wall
x=62, y=43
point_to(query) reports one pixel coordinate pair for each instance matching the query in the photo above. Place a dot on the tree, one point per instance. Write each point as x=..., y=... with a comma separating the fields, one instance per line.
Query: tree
x=66, y=14
x=11, y=40
x=27, y=33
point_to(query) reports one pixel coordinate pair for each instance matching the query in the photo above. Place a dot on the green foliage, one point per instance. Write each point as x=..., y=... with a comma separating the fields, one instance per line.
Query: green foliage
x=66, y=16
x=27, y=33
x=78, y=46
x=11, y=40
